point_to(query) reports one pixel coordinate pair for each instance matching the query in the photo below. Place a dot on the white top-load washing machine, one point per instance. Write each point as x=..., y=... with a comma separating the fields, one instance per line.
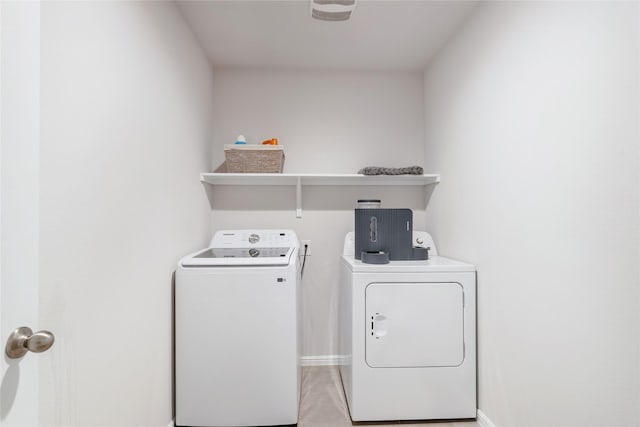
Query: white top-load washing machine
x=237, y=331
x=408, y=334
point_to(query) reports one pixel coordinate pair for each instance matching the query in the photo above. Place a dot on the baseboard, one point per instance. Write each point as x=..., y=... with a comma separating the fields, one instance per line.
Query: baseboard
x=171, y=423
x=483, y=420
x=325, y=360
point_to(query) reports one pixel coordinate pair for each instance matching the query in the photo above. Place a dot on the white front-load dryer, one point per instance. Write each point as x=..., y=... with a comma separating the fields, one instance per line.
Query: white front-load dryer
x=237, y=331
x=408, y=337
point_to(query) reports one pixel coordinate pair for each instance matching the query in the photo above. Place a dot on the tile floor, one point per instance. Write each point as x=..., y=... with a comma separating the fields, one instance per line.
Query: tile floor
x=322, y=403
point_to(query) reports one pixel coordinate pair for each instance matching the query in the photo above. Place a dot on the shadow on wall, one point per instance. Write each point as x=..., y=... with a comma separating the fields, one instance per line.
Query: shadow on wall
x=331, y=198
x=9, y=388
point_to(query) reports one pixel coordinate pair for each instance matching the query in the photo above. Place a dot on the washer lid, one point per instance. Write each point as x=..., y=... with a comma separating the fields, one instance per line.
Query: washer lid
x=212, y=257
x=432, y=265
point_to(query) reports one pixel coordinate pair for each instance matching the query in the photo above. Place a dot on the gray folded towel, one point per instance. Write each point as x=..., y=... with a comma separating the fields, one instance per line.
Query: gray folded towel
x=377, y=170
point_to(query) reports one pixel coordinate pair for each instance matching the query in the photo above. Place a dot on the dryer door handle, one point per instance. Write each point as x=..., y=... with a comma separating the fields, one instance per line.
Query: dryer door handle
x=379, y=325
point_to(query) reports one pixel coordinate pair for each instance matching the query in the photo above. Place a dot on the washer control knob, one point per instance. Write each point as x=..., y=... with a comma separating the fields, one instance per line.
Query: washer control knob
x=254, y=238
x=419, y=240
x=253, y=252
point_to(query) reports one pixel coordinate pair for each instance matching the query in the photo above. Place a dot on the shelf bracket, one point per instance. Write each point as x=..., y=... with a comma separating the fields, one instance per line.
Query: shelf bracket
x=298, y=199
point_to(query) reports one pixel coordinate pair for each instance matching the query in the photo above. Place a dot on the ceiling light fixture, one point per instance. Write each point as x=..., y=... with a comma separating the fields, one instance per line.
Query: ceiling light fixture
x=332, y=10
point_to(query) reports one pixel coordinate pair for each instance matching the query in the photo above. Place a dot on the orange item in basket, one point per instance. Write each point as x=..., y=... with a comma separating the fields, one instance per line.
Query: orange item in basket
x=272, y=141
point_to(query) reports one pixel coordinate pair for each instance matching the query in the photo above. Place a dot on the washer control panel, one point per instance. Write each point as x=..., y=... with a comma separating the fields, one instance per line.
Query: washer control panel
x=253, y=238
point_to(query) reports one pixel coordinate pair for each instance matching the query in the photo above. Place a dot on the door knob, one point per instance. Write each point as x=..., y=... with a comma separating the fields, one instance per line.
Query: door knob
x=24, y=339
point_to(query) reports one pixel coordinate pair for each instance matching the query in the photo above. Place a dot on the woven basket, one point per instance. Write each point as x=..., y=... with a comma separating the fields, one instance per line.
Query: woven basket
x=254, y=158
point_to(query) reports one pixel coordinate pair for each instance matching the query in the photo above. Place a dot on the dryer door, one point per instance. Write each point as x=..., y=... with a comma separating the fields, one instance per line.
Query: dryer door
x=414, y=324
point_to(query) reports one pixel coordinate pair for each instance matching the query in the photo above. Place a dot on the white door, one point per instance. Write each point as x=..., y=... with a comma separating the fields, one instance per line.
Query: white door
x=19, y=138
x=414, y=324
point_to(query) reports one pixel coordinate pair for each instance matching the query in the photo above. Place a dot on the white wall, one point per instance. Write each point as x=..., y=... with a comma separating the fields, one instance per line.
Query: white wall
x=125, y=111
x=328, y=122
x=532, y=119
